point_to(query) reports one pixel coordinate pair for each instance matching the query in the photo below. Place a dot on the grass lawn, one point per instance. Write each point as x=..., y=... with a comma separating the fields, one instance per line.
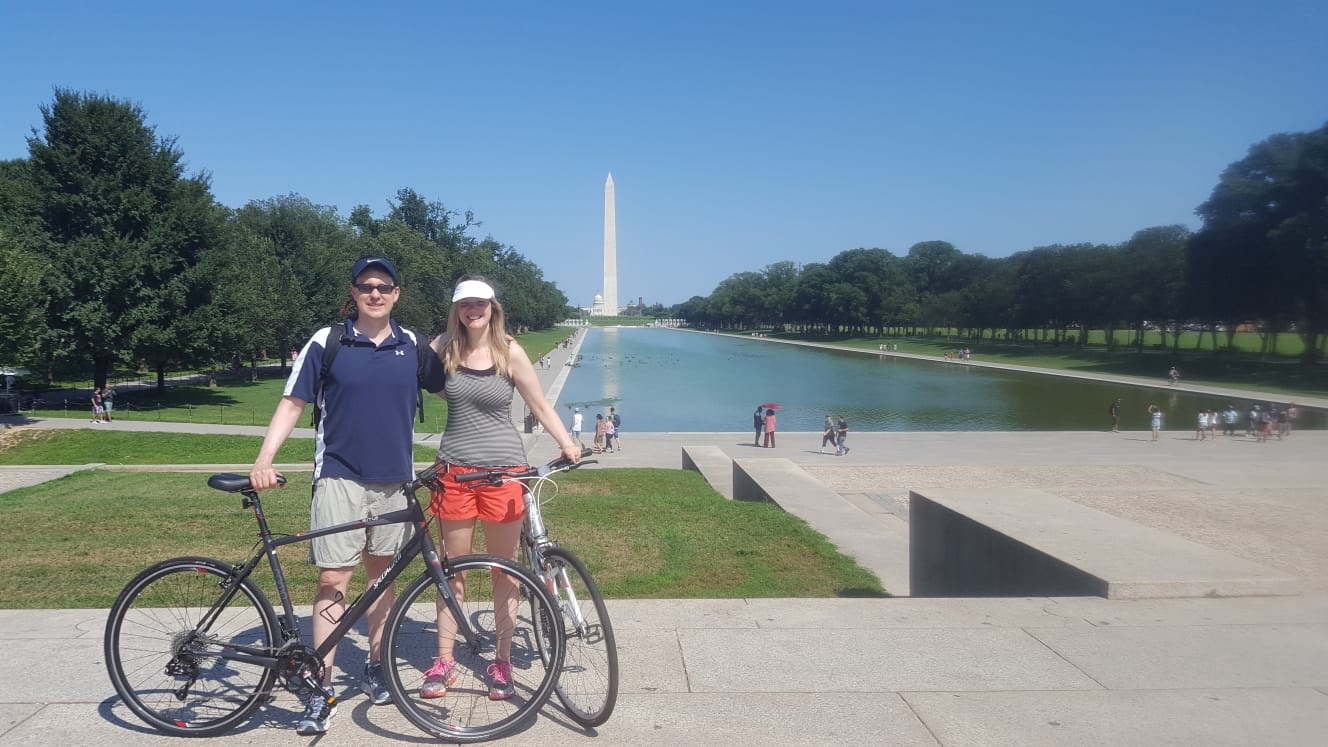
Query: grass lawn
x=645, y=533
x=240, y=401
x=1239, y=370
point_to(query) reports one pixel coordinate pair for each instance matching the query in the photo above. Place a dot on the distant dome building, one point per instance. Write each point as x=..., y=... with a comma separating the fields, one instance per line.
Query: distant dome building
x=597, y=307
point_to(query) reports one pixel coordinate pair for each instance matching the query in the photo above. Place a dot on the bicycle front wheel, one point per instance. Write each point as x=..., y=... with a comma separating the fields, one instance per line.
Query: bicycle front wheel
x=421, y=630
x=175, y=665
x=588, y=682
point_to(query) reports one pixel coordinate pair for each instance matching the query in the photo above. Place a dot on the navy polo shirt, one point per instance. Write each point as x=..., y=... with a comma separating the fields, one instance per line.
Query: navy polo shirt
x=368, y=403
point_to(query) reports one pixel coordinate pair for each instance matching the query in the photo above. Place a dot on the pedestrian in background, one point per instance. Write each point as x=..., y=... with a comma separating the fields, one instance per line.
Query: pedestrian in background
x=97, y=410
x=617, y=428
x=841, y=437
x=828, y=433
x=107, y=402
x=769, y=428
x=577, y=421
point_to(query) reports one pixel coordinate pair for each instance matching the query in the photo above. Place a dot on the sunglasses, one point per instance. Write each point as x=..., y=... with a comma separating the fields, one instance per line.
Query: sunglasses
x=382, y=289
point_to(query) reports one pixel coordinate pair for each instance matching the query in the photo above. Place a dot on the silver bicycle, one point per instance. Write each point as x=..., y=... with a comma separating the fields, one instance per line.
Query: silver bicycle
x=588, y=681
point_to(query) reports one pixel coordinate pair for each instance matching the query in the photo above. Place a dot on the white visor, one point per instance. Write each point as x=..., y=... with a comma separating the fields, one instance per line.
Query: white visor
x=472, y=289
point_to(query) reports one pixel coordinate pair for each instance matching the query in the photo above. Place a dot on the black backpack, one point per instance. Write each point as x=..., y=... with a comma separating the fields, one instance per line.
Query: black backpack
x=333, y=346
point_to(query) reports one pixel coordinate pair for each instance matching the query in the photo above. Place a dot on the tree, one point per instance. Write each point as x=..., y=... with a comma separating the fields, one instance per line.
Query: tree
x=317, y=248
x=123, y=229
x=22, y=302
x=1266, y=224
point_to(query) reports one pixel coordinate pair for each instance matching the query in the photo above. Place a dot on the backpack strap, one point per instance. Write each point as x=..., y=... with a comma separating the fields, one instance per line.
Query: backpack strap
x=420, y=347
x=336, y=336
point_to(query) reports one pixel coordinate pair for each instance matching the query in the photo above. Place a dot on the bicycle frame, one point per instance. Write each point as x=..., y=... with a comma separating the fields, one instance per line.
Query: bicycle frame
x=535, y=537
x=420, y=543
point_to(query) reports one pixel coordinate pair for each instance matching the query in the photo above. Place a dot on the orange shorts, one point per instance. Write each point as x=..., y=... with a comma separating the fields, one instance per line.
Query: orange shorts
x=454, y=501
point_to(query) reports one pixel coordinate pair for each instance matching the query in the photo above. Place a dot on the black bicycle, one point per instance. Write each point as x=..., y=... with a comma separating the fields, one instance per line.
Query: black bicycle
x=588, y=682
x=193, y=646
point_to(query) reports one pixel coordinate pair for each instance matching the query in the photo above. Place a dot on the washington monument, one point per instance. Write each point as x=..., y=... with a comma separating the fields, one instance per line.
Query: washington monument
x=611, y=307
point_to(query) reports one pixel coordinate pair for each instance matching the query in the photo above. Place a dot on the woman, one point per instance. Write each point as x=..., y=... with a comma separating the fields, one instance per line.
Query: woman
x=1155, y=419
x=483, y=366
x=599, y=433
x=827, y=433
x=97, y=411
x=770, y=428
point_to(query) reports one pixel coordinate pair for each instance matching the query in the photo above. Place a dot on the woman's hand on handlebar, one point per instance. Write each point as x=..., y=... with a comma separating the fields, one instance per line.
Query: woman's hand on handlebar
x=574, y=452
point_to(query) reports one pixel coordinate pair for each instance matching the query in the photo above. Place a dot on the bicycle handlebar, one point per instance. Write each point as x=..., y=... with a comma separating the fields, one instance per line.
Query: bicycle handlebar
x=496, y=476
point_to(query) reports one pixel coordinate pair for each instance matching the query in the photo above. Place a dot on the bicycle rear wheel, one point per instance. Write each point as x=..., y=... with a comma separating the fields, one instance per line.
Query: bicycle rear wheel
x=412, y=639
x=177, y=674
x=588, y=682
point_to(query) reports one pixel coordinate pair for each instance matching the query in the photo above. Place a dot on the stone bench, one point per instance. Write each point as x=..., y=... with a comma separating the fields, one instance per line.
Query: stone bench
x=866, y=537
x=1024, y=542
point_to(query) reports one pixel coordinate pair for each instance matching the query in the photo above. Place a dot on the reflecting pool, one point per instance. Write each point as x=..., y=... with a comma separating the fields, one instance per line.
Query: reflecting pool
x=675, y=380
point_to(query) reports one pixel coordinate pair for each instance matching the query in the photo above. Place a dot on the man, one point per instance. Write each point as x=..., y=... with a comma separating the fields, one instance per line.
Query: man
x=363, y=456
x=1114, y=411
x=617, y=428
x=578, y=420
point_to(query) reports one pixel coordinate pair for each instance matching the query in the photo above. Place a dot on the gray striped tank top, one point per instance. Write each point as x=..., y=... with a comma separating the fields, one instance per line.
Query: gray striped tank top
x=479, y=431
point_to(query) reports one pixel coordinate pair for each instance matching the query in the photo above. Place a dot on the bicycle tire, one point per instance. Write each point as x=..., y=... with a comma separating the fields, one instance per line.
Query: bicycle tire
x=466, y=713
x=588, y=681
x=149, y=666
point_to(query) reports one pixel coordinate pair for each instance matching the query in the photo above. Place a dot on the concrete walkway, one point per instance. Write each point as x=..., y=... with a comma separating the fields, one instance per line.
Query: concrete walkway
x=911, y=671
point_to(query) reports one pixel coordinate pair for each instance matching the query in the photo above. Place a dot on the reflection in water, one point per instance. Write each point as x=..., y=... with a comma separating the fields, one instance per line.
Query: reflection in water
x=672, y=380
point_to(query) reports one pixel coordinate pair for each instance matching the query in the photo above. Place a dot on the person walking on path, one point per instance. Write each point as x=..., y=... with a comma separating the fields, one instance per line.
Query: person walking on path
x=828, y=433
x=599, y=433
x=577, y=421
x=841, y=434
x=758, y=423
x=617, y=428
x=769, y=428
x=484, y=367
x=107, y=402
x=610, y=434
x=98, y=412
x=1155, y=419
x=366, y=404
x=1173, y=376
x=1114, y=411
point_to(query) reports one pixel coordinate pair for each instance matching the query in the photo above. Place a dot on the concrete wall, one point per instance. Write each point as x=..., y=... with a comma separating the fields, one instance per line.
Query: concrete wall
x=951, y=555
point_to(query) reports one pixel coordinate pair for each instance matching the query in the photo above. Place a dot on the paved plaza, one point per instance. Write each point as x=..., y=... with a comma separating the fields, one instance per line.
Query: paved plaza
x=907, y=671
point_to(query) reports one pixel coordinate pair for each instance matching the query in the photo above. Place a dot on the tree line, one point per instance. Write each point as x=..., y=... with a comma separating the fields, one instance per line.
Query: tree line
x=1259, y=261
x=110, y=255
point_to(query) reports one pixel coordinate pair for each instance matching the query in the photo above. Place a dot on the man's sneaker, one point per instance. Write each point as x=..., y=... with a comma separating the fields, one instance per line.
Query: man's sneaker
x=317, y=716
x=438, y=678
x=373, y=685
x=500, y=680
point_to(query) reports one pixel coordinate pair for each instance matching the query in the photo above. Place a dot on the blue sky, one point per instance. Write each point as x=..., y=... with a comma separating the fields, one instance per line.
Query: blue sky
x=738, y=133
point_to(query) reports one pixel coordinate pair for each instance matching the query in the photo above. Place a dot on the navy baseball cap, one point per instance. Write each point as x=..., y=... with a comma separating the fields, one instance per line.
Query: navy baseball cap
x=383, y=263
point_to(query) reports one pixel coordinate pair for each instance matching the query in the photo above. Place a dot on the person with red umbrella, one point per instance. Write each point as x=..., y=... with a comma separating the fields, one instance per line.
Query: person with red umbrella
x=769, y=427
